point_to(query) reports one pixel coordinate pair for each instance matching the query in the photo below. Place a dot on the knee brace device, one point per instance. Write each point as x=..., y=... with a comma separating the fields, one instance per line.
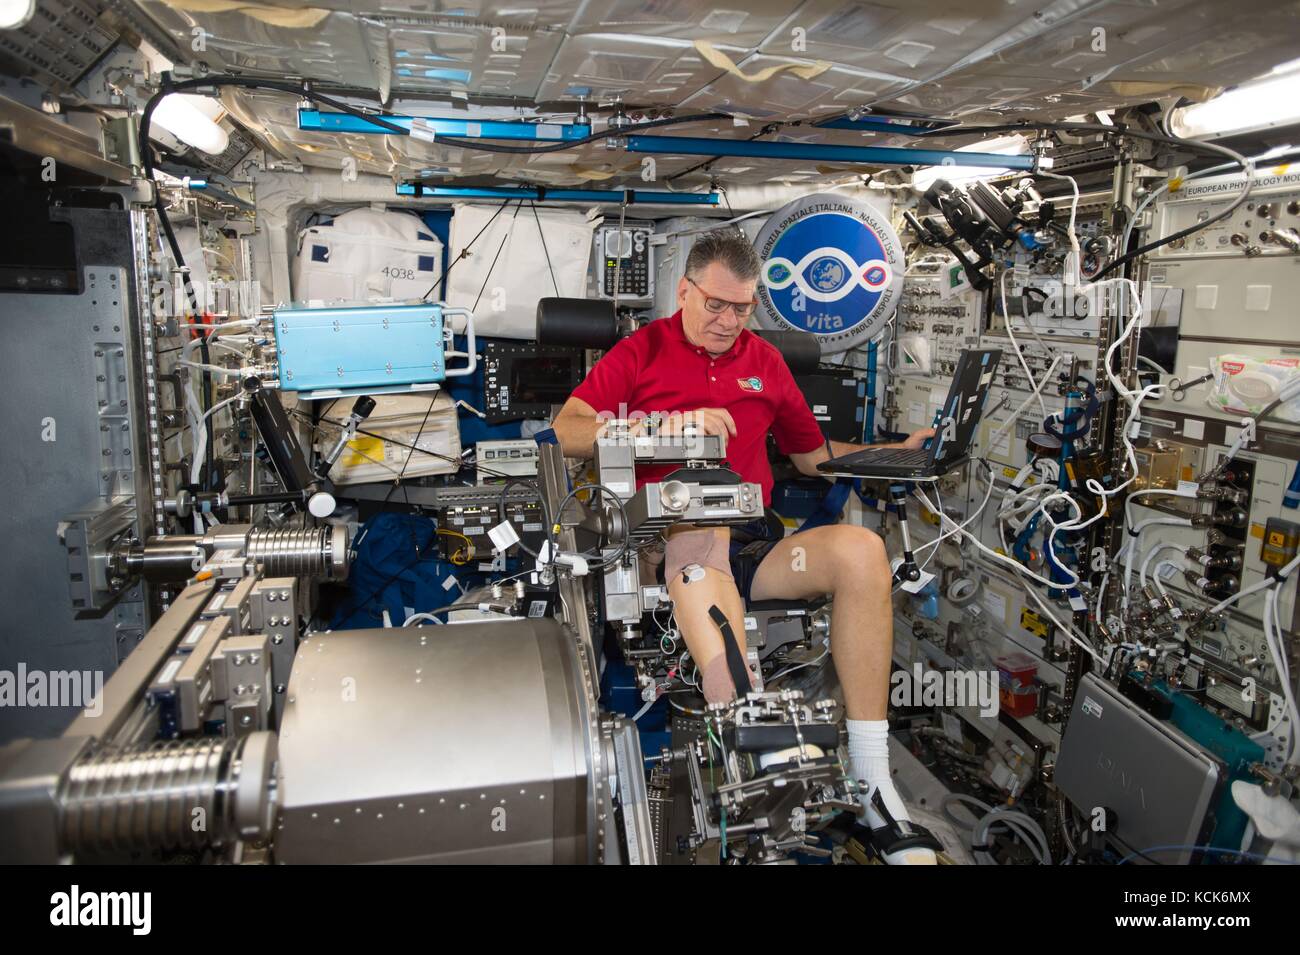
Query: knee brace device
x=699, y=547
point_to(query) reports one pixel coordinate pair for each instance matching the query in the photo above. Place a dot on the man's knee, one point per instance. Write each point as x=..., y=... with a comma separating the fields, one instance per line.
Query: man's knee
x=857, y=554
x=696, y=547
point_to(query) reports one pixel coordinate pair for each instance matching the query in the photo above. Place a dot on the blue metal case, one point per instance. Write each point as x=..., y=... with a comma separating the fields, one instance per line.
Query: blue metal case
x=359, y=348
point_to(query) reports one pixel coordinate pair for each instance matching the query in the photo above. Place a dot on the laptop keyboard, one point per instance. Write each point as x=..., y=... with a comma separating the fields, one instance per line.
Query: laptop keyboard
x=894, y=457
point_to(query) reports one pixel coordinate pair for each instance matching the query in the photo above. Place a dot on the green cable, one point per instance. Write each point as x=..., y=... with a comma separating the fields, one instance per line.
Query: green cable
x=723, y=829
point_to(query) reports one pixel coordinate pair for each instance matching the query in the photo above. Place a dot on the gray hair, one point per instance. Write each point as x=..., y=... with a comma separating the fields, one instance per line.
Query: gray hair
x=730, y=248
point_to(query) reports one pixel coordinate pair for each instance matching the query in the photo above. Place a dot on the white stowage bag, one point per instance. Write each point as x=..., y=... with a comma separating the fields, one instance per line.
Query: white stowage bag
x=398, y=424
x=502, y=290
x=366, y=255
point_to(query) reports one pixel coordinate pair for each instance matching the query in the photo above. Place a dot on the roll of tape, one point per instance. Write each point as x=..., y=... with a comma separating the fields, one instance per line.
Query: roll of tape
x=962, y=591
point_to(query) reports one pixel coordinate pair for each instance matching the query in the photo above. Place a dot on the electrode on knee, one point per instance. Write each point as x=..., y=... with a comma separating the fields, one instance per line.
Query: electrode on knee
x=694, y=550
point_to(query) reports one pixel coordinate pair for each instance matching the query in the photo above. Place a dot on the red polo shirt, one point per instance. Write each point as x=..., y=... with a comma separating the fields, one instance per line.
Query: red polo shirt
x=658, y=369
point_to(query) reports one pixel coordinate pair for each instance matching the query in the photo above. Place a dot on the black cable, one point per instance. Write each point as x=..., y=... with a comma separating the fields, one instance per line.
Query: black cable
x=464, y=253
x=401, y=444
x=593, y=558
x=612, y=131
x=168, y=87
x=519, y=204
x=406, y=494
x=548, y=527
x=1121, y=130
x=205, y=353
x=433, y=539
x=766, y=130
x=542, y=235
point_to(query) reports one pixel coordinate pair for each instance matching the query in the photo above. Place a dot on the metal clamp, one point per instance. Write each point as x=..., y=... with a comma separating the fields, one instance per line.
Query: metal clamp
x=1177, y=389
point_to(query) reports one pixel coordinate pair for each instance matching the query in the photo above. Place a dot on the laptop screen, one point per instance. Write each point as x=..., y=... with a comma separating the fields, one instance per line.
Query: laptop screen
x=961, y=411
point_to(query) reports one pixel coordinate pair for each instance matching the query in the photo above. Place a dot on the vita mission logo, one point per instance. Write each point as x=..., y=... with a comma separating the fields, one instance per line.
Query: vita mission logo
x=832, y=267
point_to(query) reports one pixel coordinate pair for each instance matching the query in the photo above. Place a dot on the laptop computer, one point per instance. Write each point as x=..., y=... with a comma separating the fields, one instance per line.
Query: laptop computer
x=1160, y=786
x=950, y=447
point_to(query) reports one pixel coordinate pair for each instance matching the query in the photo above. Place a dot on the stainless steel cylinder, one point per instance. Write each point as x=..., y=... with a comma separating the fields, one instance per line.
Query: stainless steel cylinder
x=166, y=559
x=284, y=551
x=300, y=551
x=474, y=742
x=189, y=794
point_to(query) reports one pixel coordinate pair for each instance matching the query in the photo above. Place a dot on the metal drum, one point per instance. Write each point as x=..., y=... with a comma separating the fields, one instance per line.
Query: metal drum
x=476, y=742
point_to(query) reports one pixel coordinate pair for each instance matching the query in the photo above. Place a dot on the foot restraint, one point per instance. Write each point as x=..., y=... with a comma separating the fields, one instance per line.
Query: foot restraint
x=893, y=841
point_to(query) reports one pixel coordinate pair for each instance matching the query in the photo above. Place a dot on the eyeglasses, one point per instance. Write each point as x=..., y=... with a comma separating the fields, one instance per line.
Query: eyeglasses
x=717, y=306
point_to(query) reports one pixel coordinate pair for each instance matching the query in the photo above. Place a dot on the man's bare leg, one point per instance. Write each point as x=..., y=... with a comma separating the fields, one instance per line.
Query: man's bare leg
x=850, y=564
x=692, y=598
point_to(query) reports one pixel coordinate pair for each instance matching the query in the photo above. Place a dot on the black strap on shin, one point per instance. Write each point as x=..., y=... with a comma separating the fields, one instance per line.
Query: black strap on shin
x=735, y=658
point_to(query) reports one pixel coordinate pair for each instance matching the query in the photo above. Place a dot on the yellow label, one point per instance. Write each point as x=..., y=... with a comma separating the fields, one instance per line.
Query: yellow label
x=1033, y=623
x=1257, y=531
x=1009, y=472
x=364, y=450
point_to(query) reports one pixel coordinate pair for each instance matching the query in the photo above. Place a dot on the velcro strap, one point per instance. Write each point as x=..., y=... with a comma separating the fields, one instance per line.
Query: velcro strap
x=735, y=658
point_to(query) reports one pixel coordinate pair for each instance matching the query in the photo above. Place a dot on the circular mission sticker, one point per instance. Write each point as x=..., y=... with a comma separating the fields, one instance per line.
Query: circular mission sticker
x=832, y=266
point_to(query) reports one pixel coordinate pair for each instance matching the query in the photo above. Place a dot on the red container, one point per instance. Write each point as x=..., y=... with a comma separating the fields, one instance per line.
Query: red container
x=1017, y=693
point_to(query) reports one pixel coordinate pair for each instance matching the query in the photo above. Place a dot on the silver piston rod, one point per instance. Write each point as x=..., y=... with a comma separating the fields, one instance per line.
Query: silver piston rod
x=282, y=551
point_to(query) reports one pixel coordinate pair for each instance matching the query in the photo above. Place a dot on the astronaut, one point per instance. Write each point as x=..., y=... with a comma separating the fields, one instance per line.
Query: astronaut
x=702, y=366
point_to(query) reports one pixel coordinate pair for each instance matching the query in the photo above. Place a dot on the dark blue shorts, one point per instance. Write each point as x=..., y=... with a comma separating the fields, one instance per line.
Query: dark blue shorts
x=750, y=543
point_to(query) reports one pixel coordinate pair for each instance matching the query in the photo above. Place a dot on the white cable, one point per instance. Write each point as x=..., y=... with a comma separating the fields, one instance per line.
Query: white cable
x=1155, y=575
x=1135, y=544
x=788, y=670
x=1072, y=276
x=1000, y=558
x=420, y=618
x=221, y=370
x=201, y=441
x=1151, y=554
x=1254, y=588
x=1015, y=416
x=646, y=708
x=717, y=225
x=1094, y=486
x=1017, y=566
x=946, y=534
x=1020, y=824
x=681, y=668
x=1067, y=630
x=1276, y=650
x=1002, y=288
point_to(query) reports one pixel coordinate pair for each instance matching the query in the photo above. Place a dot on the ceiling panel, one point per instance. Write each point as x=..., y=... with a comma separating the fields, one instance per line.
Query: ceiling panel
x=1121, y=54
x=970, y=59
x=787, y=95
x=739, y=23
x=644, y=70
x=911, y=38
x=404, y=46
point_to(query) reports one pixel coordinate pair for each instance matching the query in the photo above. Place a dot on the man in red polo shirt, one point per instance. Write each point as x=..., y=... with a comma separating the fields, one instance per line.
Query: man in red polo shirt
x=702, y=366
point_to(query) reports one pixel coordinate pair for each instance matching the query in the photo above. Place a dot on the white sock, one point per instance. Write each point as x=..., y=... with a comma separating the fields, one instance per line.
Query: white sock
x=869, y=762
